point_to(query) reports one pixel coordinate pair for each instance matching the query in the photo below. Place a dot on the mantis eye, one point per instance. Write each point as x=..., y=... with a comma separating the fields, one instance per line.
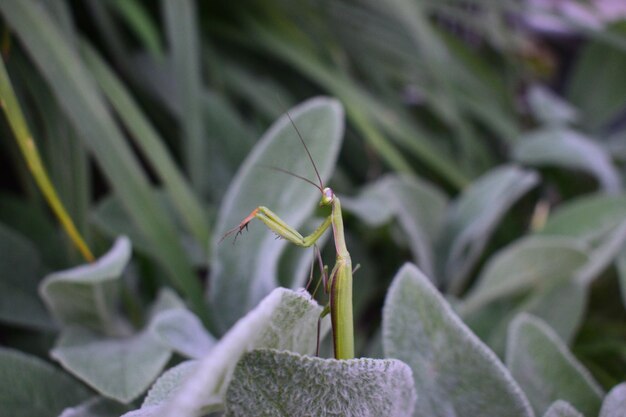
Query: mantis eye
x=327, y=196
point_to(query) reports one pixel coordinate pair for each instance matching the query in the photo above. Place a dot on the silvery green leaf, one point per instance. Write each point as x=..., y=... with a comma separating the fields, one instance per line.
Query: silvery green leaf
x=167, y=384
x=559, y=146
x=272, y=383
x=95, y=407
x=244, y=273
x=603, y=255
x=454, y=372
x=30, y=387
x=183, y=332
x=614, y=404
x=598, y=90
x=285, y=320
x=549, y=108
x=118, y=368
x=561, y=305
x=621, y=272
x=416, y=205
x=531, y=263
x=562, y=408
x=20, y=271
x=86, y=295
x=588, y=217
x=474, y=215
x=546, y=370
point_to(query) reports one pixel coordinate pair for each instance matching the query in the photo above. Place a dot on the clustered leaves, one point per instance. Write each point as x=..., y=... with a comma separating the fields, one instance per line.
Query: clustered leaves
x=486, y=210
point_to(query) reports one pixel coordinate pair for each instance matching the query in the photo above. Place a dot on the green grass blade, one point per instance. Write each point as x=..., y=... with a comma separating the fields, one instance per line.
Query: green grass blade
x=151, y=145
x=182, y=34
x=13, y=112
x=76, y=92
x=140, y=22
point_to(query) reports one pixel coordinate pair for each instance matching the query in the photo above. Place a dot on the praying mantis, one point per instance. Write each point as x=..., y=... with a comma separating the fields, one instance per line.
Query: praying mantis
x=339, y=283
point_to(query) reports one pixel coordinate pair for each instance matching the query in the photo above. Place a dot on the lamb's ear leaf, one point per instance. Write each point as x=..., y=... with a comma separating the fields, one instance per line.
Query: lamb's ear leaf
x=30, y=387
x=96, y=407
x=562, y=147
x=416, y=205
x=183, y=332
x=562, y=408
x=285, y=319
x=20, y=269
x=87, y=295
x=472, y=218
x=546, y=369
x=272, y=383
x=614, y=404
x=450, y=364
x=120, y=368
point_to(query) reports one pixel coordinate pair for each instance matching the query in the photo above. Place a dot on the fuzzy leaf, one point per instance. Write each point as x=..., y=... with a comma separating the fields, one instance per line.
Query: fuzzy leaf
x=614, y=404
x=243, y=274
x=86, y=295
x=531, y=263
x=183, y=332
x=621, y=271
x=120, y=369
x=95, y=407
x=30, y=387
x=272, y=383
x=474, y=215
x=589, y=216
x=547, y=370
x=548, y=108
x=20, y=271
x=417, y=206
x=454, y=372
x=562, y=409
x=568, y=149
x=284, y=320
x=599, y=91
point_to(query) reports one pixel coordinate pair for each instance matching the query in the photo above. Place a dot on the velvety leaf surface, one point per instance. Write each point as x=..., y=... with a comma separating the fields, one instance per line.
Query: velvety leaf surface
x=568, y=149
x=547, y=370
x=530, y=263
x=272, y=383
x=245, y=273
x=454, y=372
x=95, y=407
x=562, y=409
x=474, y=215
x=86, y=295
x=285, y=320
x=548, y=108
x=30, y=387
x=183, y=332
x=118, y=368
x=589, y=216
x=602, y=103
x=416, y=205
x=614, y=404
x=20, y=272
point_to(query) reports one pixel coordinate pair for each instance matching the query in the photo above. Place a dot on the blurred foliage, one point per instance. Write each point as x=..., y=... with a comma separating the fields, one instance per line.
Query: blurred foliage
x=484, y=141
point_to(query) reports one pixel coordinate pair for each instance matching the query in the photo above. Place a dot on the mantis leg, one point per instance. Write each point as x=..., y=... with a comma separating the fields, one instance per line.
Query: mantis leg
x=278, y=226
x=323, y=314
x=282, y=229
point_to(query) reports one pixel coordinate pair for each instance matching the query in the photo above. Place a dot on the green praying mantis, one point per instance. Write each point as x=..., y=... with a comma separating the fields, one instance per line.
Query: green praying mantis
x=339, y=283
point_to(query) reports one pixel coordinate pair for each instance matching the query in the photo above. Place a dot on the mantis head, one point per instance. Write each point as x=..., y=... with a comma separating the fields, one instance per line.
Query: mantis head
x=327, y=197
